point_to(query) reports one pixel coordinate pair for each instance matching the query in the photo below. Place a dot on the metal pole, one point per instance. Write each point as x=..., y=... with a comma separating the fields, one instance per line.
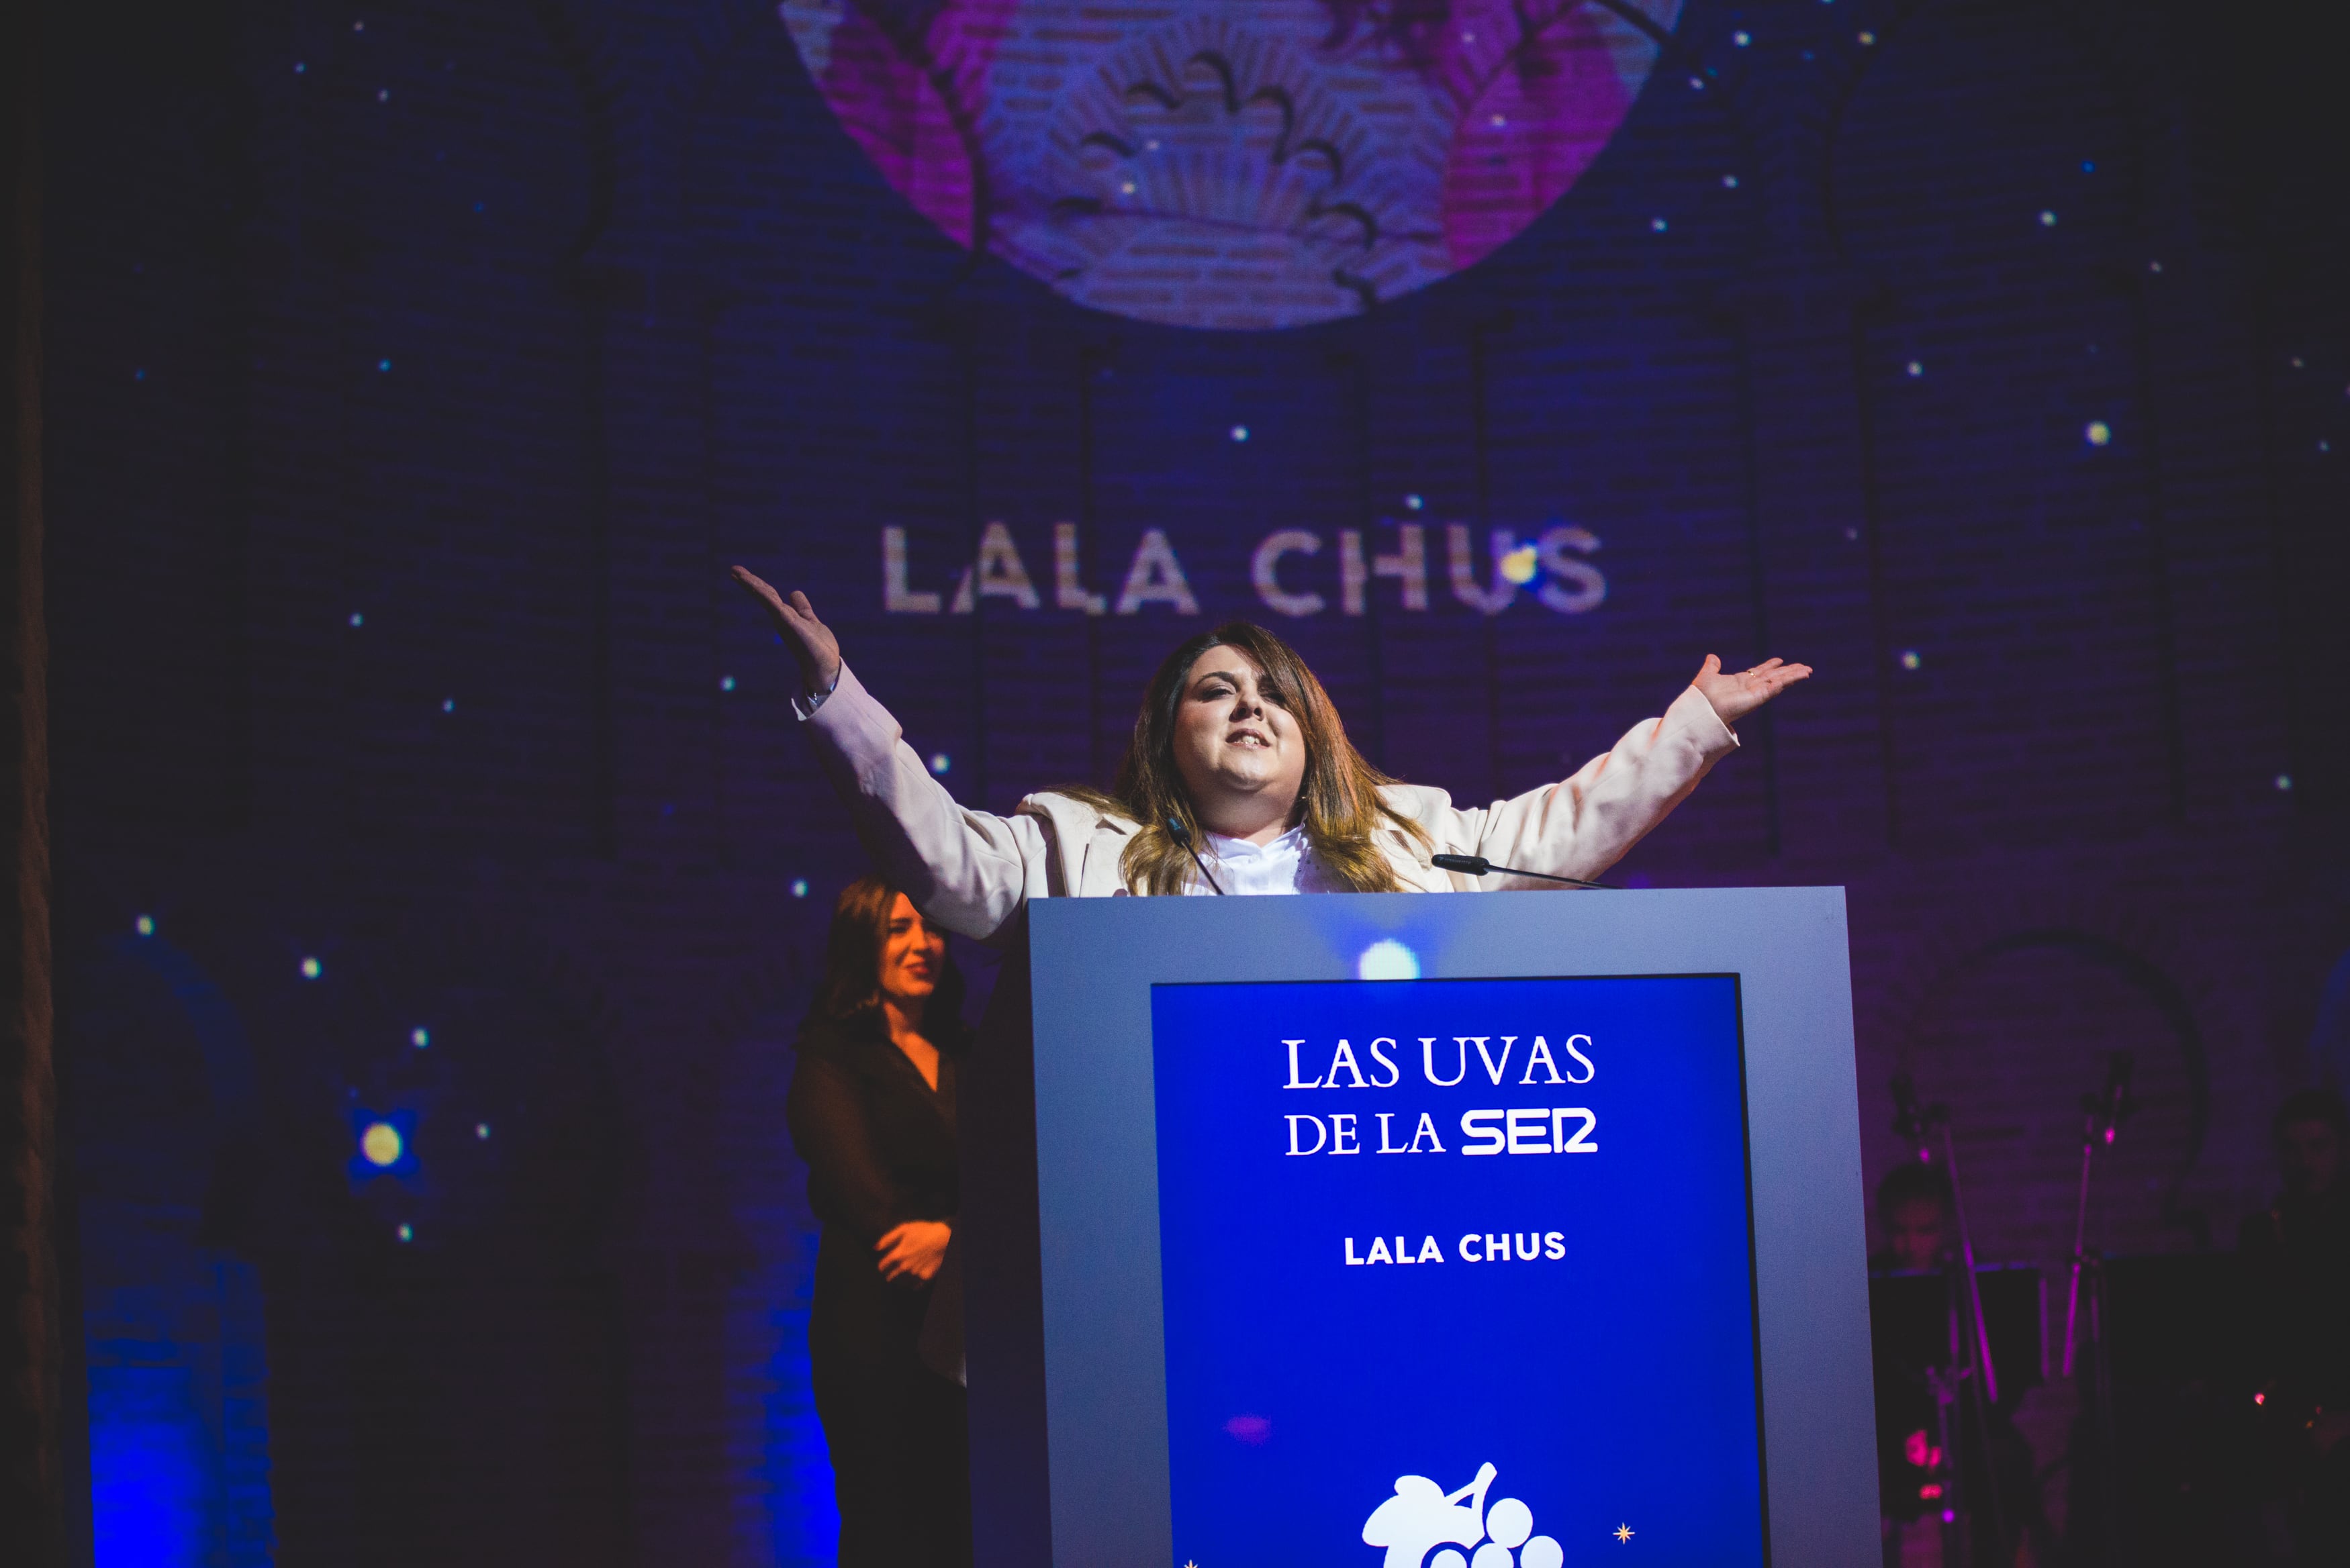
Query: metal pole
x=2079, y=1241
x=1967, y=1254
x=1970, y=1358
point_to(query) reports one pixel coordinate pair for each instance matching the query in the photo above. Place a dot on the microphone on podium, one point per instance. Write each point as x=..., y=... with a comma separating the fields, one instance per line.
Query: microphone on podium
x=1182, y=836
x=1477, y=866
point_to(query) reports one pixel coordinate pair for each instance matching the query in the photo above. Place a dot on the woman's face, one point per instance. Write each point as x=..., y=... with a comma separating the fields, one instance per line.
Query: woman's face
x=2312, y=1156
x=913, y=953
x=1914, y=1233
x=1231, y=739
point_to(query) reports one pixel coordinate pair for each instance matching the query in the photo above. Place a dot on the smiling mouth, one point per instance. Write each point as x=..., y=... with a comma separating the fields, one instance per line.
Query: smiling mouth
x=1256, y=738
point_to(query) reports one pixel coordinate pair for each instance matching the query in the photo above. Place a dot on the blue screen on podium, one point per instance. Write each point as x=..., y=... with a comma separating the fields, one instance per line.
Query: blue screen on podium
x=1457, y=1273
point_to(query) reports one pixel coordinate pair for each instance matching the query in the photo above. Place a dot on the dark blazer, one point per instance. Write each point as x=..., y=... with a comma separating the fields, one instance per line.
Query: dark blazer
x=880, y=1149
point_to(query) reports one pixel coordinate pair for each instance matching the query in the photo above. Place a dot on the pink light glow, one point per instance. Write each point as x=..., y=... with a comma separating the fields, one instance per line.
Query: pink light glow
x=1116, y=149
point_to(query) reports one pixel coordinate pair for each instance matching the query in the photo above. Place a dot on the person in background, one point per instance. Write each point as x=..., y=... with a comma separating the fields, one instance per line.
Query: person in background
x=1913, y=1214
x=2297, y=1264
x=872, y=1110
x=1918, y=1232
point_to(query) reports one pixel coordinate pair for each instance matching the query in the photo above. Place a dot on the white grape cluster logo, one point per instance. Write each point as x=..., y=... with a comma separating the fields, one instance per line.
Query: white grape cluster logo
x=1422, y=1516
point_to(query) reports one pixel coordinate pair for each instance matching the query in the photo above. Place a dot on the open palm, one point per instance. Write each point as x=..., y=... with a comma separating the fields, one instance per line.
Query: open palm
x=1735, y=696
x=811, y=641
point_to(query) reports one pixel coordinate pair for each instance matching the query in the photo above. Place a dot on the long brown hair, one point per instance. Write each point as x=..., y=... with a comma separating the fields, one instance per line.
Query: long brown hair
x=852, y=963
x=1339, y=797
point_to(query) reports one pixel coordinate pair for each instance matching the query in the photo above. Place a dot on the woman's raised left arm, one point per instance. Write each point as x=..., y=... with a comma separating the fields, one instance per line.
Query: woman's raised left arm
x=1583, y=824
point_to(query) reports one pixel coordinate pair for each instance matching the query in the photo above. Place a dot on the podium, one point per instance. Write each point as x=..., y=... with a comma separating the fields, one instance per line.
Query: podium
x=1481, y=1231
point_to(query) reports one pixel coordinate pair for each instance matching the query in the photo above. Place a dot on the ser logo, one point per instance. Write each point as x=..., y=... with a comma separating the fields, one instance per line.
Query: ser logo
x=1423, y=1516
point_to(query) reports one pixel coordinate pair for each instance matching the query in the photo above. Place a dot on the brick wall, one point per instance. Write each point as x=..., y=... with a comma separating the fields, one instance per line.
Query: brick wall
x=415, y=371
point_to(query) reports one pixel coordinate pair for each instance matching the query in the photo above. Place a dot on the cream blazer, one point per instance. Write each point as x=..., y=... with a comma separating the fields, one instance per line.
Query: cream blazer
x=969, y=871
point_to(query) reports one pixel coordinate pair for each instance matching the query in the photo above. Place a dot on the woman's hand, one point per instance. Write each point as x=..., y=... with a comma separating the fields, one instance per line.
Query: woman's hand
x=810, y=640
x=917, y=1248
x=1732, y=696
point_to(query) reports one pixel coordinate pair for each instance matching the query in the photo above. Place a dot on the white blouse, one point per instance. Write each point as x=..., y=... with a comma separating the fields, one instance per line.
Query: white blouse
x=1286, y=865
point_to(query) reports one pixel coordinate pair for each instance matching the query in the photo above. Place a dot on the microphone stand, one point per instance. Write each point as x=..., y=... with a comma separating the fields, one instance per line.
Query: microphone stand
x=1180, y=834
x=1478, y=865
x=2101, y=1115
x=1972, y=1373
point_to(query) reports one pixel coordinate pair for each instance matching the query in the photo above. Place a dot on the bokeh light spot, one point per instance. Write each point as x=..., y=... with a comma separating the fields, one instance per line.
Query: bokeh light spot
x=380, y=1144
x=1387, y=959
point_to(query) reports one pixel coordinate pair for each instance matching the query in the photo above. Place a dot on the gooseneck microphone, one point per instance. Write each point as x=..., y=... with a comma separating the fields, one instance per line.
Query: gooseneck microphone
x=1477, y=866
x=1182, y=836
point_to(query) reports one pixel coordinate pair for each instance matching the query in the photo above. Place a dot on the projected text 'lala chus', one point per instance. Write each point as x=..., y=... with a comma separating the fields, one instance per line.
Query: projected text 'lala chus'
x=1287, y=570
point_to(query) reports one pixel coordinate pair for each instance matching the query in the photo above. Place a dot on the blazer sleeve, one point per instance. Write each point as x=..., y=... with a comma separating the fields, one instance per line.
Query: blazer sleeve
x=1585, y=824
x=966, y=869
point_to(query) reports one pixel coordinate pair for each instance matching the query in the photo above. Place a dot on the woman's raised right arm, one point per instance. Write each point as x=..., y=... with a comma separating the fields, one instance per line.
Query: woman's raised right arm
x=965, y=869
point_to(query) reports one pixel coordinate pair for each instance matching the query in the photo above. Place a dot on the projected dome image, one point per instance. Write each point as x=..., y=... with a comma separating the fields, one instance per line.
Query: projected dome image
x=1260, y=164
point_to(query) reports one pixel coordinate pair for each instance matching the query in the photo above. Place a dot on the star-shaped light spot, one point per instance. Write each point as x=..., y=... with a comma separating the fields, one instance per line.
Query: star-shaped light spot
x=1624, y=1532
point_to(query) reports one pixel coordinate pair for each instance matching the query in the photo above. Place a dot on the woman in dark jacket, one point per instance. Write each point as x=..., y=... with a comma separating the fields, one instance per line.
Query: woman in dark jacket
x=872, y=1110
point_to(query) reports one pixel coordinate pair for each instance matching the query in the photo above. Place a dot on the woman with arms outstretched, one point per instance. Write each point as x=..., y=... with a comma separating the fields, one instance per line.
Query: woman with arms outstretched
x=1238, y=748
